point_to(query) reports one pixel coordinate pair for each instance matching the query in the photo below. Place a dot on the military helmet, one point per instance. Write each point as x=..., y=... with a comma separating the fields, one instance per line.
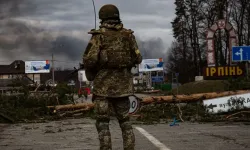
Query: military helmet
x=109, y=11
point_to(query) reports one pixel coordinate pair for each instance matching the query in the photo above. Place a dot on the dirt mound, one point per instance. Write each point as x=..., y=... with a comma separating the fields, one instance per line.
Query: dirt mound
x=203, y=87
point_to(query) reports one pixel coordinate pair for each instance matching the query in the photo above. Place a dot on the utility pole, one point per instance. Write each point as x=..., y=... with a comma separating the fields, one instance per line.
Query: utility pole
x=175, y=77
x=53, y=73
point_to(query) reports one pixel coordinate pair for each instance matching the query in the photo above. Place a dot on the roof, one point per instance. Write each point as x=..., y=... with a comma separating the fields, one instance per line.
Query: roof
x=10, y=82
x=12, y=68
x=60, y=76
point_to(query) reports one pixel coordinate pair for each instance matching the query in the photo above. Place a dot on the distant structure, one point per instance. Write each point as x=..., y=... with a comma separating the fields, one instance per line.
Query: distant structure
x=220, y=24
x=17, y=70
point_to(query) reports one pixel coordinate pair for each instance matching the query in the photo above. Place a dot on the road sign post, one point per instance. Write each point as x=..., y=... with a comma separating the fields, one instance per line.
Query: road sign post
x=247, y=68
x=177, y=75
x=134, y=104
x=241, y=54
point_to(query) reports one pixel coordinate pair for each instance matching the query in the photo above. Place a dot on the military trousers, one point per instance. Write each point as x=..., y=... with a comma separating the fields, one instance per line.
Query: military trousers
x=121, y=107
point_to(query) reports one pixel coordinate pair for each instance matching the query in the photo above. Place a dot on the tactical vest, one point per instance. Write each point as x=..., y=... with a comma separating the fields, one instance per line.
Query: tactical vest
x=116, y=50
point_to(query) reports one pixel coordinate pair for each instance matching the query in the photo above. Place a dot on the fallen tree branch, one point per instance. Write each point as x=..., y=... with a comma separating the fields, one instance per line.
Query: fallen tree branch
x=152, y=91
x=229, y=116
x=158, y=99
x=72, y=106
x=189, y=98
x=180, y=112
x=71, y=113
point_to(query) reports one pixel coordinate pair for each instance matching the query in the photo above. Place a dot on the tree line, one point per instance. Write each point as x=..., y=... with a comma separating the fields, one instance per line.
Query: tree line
x=187, y=54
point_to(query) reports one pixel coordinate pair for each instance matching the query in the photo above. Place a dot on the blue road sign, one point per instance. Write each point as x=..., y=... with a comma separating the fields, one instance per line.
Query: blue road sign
x=241, y=53
x=157, y=79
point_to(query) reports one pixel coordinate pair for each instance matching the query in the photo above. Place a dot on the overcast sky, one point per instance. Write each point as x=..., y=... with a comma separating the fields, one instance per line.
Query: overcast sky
x=28, y=27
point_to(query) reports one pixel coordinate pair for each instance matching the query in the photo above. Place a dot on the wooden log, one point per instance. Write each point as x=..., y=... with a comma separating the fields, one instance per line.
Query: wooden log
x=72, y=106
x=158, y=99
x=70, y=113
x=189, y=98
x=150, y=92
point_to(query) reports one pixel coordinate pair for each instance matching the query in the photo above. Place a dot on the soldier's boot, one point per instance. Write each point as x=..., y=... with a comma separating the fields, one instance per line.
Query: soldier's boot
x=127, y=134
x=104, y=135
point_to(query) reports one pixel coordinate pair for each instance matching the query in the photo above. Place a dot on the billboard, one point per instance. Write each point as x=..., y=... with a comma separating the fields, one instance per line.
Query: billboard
x=151, y=65
x=37, y=66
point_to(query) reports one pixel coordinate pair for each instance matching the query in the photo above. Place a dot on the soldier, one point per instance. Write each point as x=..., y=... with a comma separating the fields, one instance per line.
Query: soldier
x=110, y=55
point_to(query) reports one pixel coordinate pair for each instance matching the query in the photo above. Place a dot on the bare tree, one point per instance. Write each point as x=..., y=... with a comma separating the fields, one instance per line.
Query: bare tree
x=193, y=18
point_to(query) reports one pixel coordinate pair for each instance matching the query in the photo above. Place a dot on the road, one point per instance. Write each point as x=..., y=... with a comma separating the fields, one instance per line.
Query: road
x=76, y=134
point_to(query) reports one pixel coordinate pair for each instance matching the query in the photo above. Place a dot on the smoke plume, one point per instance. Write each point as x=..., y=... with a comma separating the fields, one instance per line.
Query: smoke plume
x=20, y=40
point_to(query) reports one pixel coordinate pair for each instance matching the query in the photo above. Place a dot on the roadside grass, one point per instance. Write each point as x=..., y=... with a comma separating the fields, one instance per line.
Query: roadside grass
x=204, y=86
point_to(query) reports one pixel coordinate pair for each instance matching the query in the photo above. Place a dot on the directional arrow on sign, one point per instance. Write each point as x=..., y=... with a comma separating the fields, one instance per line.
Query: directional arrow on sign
x=211, y=106
x=240, y=53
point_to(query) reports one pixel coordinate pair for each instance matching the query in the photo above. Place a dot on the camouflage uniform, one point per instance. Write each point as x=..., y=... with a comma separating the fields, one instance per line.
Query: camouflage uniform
x=112, y=86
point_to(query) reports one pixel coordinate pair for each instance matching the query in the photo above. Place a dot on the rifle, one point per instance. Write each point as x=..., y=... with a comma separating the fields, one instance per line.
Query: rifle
x=90, y=73
x=81, y=66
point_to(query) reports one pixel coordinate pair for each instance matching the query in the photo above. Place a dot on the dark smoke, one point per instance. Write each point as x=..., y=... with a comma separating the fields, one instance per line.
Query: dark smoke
x=72, y=47
x=9, y=8
x=18, y=40
x=151, y=49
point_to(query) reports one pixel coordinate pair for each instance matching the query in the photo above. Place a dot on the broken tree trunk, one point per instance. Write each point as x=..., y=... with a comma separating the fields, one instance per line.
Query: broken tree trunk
x=158, y=99
x=189, y=98
x=71, y=113
x=71, y=106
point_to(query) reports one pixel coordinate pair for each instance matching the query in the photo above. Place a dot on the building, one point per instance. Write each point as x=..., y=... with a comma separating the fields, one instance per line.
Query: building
x=12, y=71
x=17, y=70
x=60, y=76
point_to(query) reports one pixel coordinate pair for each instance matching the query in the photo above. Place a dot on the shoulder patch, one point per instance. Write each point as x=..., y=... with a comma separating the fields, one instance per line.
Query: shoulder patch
x=137, y=51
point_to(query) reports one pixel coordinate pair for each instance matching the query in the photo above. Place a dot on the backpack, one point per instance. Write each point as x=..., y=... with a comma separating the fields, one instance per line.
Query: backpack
x=116, y=52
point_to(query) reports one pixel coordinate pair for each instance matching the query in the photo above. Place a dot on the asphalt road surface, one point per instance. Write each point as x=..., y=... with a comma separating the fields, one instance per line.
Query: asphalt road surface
x=80, y=134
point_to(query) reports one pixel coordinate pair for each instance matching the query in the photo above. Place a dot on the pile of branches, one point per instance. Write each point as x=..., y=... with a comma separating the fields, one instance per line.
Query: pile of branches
x=31, y=105
x=18, y=108
x=26, y=107
x=154, y=108
x=71, y=110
